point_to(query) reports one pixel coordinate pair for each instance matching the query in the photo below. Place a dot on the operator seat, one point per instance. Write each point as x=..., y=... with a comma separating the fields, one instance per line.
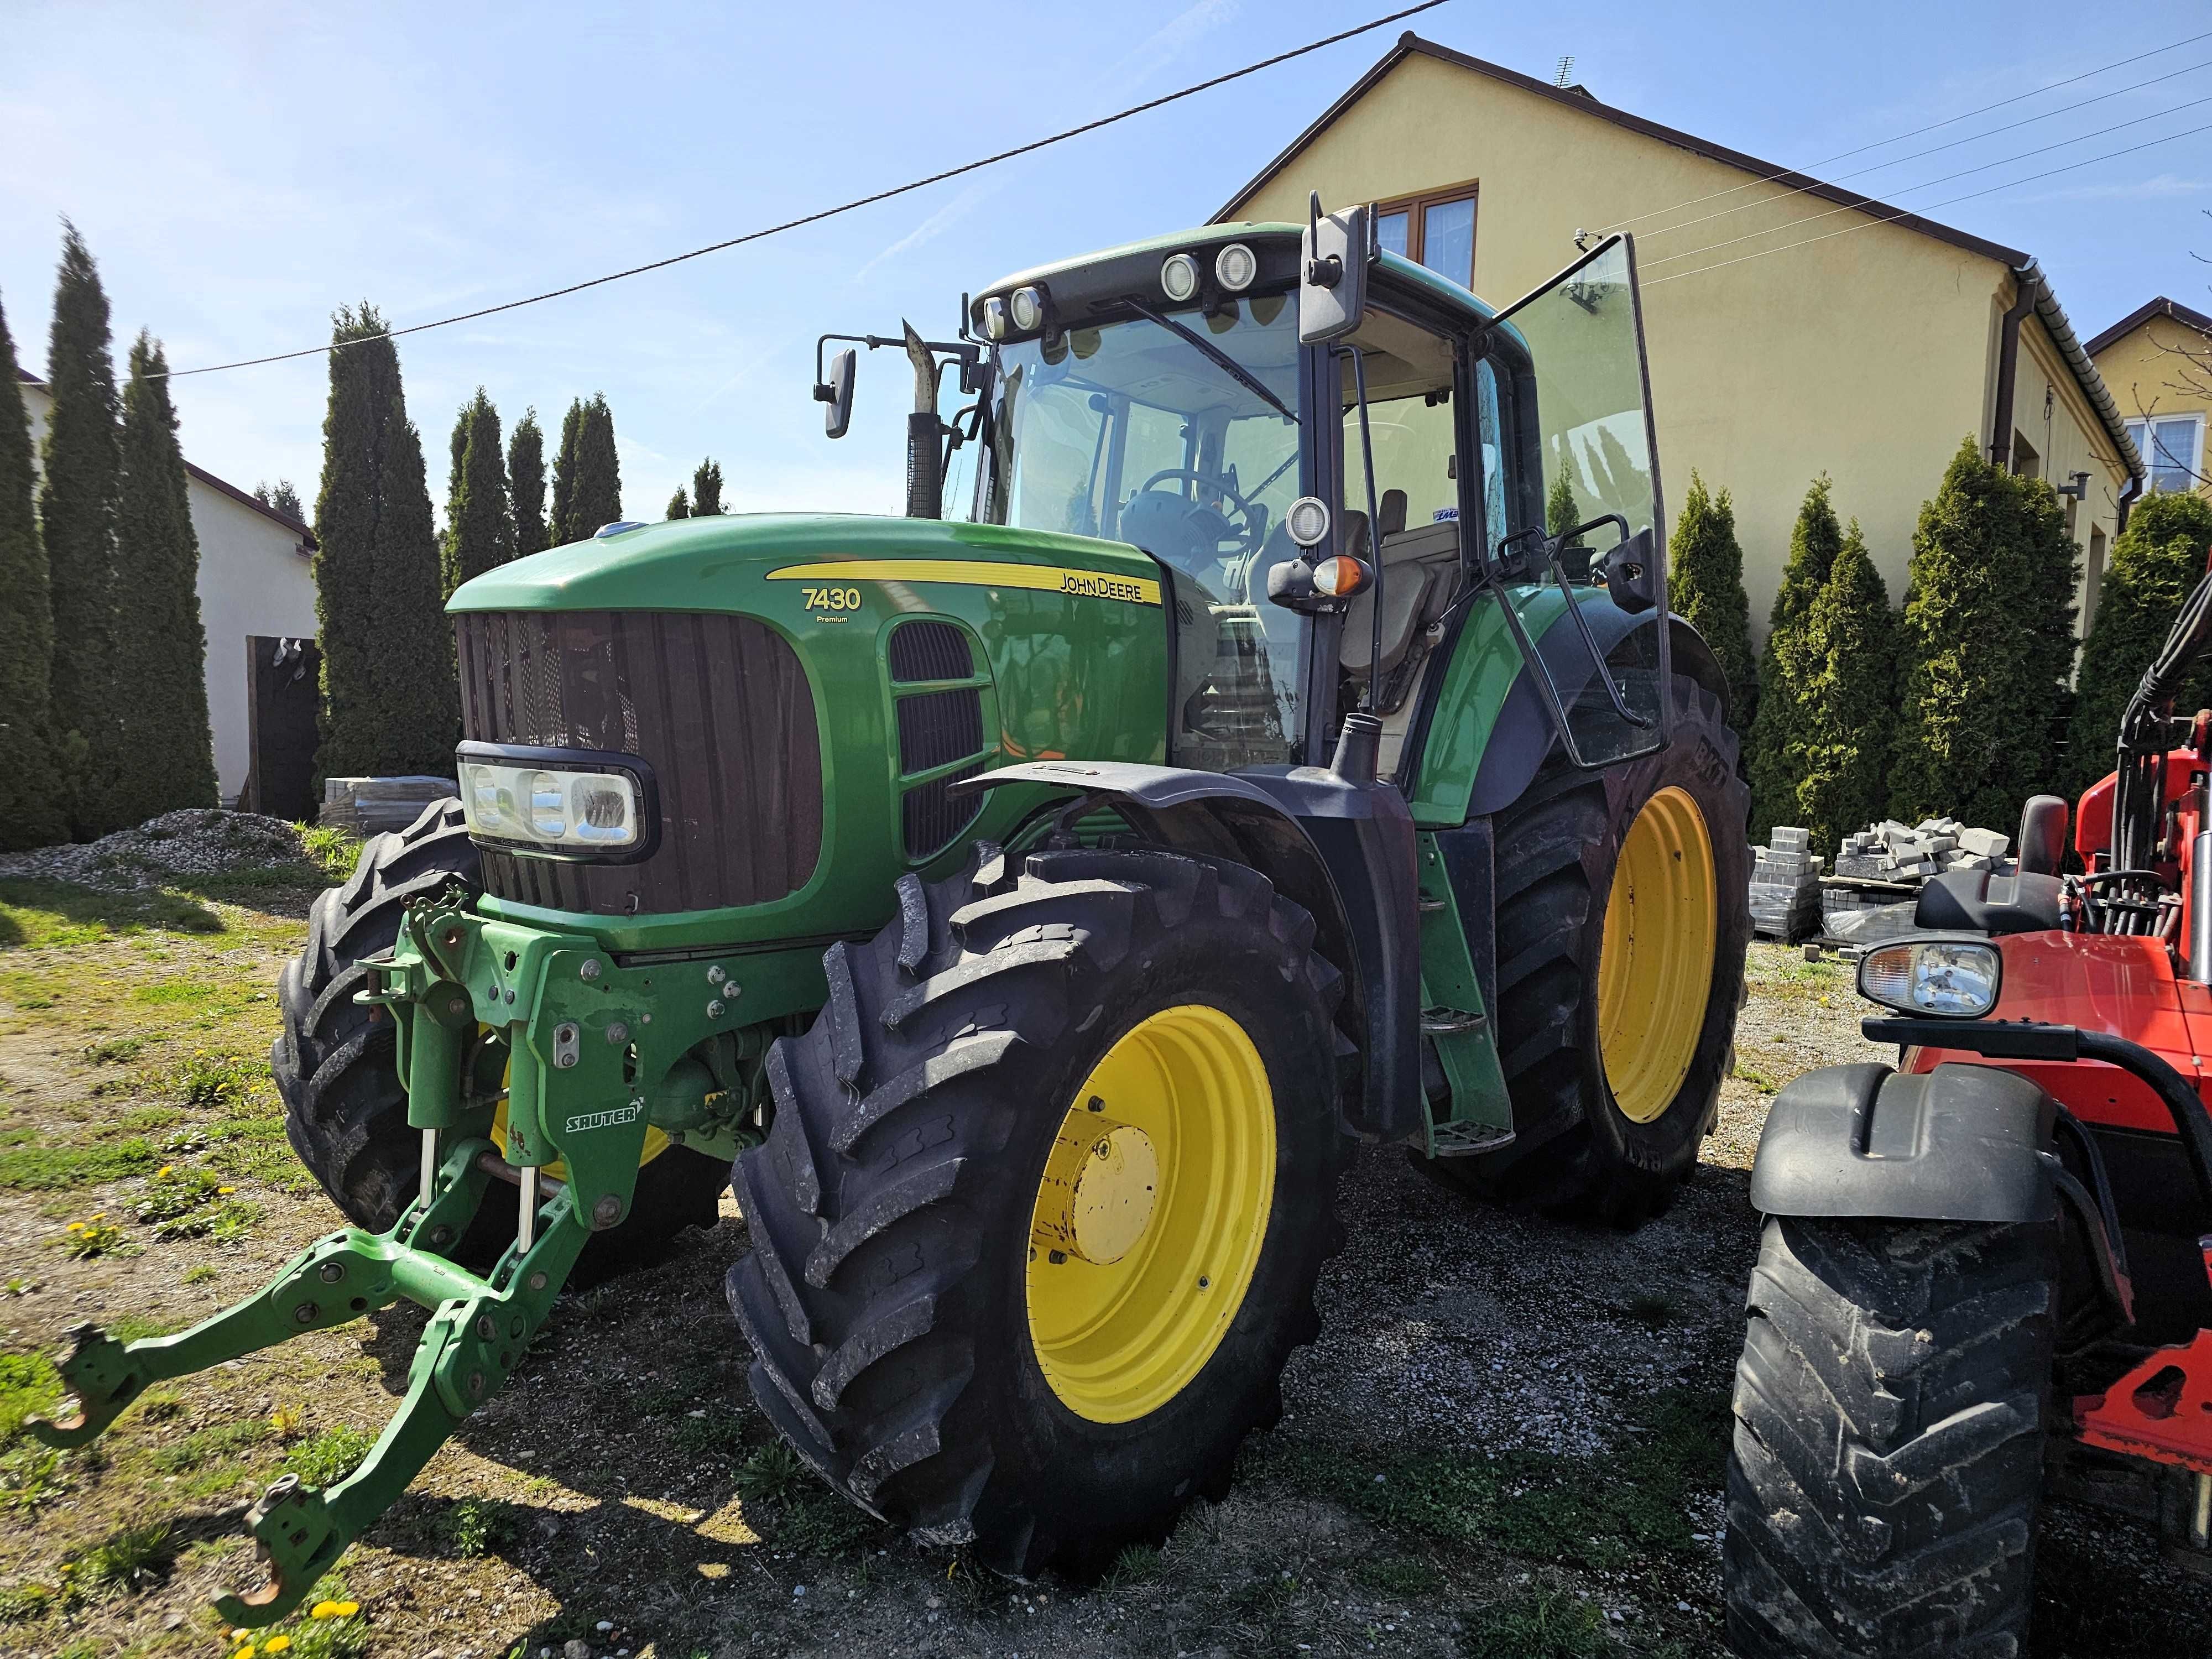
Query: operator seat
x=1975, y=902
x=1420, y=568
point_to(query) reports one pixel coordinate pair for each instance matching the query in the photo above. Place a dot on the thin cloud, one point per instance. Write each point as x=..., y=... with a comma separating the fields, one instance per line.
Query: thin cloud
x=1166, y=43
x=2138, y=190
x=938, y=222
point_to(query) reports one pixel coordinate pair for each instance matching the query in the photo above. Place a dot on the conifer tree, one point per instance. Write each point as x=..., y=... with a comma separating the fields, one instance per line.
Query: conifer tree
x=706, y=489
x=283, y=497
x=1561, y=511
x=389, y=699
x=479, y=524
x=1705, y=586
x=30, y=805
x=2157, y=561
x=678, y=506
x=1985, y=645
x=76, y=515
x=525, y=485
x=1840, y=751
x=167, y=754
x=1787, y=667
x=558, y=522
x=590, y=488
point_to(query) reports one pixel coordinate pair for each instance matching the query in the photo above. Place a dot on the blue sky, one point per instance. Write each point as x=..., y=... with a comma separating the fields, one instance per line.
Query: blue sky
x=239, y=170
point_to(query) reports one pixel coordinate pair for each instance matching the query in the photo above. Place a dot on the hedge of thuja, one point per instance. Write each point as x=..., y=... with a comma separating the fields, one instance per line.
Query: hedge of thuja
x=1705, y=586
x=1787, y=668
x=2156, y=562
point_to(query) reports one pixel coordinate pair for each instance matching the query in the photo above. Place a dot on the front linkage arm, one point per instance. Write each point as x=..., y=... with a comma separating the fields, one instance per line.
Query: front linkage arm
x=567, y=1099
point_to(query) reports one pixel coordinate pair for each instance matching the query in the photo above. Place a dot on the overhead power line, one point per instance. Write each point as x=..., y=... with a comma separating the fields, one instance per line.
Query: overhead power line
x=2011, y=184
x=1938, y=149
x=1863, y=204
x=1900, y=137
x=831, y=212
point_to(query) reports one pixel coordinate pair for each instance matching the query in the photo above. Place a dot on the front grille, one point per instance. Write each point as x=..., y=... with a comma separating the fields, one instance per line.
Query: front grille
x=930, y=650
x=936, y=729
x=717, y=705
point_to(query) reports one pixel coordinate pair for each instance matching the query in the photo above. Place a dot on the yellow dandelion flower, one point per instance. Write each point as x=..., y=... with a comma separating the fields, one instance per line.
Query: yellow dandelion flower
x=76, y=1226
x=344, y=1609
x=276, y=1644
x=323, y=1610
x=246, y=1652
x=163, y=1170
x=220, y=1190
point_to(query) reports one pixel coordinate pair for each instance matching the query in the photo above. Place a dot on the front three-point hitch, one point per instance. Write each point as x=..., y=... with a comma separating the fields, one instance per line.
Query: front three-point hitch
x=474, y=1001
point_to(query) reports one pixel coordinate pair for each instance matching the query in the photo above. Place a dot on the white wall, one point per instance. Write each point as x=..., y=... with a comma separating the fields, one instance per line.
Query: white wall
x=255, y=578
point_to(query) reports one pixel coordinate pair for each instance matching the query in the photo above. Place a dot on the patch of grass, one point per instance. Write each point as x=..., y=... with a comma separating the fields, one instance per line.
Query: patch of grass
x=167, y=992
x=114, y=1051
x=54, y=1169
x=172, y=1192
x=1608, y=1512
x=1399, y=1575
x=1136, y=1564
x=29, y=1387
x=723, y=1431
x=325, y=1459
x=31, y=1477
x=331, y=850
x=271, y=1162
x=136, y=1328
x=20, y=1603
x=34, y=915
x=129, y=1558
x=1758, y=1080
x=205, y=1079
x=223, y=1441
x=143, y=1120
x=772, y=1474
x=1546, y=1624
x=476, y=1526
x=204, y=1273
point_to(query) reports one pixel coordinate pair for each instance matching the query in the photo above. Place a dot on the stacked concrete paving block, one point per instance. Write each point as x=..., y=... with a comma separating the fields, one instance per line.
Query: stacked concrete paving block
x=1785, y=885
x=1894, y=851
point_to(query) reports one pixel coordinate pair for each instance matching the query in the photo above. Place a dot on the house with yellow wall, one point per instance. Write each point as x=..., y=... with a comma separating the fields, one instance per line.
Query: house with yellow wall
x=2158, y=361
x=1795, y=327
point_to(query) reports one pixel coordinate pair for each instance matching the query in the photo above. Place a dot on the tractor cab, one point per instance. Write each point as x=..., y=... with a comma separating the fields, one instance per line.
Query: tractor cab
x=1327, y=491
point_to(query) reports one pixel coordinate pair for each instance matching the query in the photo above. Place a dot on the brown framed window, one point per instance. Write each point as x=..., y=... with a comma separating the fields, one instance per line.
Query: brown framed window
x=1435, y=229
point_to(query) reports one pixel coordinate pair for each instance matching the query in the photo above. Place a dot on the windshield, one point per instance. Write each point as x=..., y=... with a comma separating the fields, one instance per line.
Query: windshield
x=1176, y=432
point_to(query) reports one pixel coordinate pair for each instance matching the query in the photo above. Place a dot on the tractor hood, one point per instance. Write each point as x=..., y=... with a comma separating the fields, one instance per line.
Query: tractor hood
x=761, y=564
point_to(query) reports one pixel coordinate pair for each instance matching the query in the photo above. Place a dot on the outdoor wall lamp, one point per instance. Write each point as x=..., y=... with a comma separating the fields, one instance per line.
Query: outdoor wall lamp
x=2079, y=488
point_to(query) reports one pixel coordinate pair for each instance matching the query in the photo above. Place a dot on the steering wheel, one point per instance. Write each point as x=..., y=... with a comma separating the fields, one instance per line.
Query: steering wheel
x=1253, y=514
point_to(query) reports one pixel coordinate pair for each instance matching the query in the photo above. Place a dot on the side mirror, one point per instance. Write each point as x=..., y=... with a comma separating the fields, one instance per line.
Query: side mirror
x=838, y=394
x=1629, y=576
x=1333, y=273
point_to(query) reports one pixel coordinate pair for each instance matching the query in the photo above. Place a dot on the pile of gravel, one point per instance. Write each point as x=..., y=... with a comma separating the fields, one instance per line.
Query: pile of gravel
x=194, y=841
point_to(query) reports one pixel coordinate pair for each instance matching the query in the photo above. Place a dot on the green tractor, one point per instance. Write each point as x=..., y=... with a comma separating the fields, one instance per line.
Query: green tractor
x=1265, y=731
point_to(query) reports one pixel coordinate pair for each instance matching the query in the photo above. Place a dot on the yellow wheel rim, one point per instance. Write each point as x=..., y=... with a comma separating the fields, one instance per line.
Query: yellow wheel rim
x=1655, y=966
x=656, y=1143
x=1151, y=1213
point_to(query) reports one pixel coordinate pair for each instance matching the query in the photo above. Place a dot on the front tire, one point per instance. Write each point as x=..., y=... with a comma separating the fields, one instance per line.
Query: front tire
x=1005, y=1285
x=337, y=1067
x=1891, y=1406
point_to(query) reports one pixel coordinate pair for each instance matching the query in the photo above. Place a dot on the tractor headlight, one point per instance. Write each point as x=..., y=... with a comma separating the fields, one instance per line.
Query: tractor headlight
x=1235, y=267
x=1026, y=306
x=561, y=803
x=994, y=318
x=1179, y=276
x=1307, y=520
x=1949, y=978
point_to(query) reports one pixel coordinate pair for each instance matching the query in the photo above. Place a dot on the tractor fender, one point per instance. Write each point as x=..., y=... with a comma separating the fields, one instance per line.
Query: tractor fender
x=1522, y=738
x=1344, y=851
x=1960, y=1143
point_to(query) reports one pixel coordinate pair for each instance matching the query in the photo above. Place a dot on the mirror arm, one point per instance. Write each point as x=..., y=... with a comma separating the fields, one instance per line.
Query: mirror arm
x=1374, y=532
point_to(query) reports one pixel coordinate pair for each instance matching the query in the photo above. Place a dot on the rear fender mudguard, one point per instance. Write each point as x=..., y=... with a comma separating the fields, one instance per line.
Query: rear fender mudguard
x=1960, y=1143
x=1343, y=851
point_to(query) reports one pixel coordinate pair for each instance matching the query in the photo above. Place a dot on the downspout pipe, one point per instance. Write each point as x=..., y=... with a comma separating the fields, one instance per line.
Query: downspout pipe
x=2027, y=279
x=2127, y=499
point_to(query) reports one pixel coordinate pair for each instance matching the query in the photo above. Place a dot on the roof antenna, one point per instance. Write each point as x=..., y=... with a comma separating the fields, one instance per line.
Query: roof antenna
x=1566, y=77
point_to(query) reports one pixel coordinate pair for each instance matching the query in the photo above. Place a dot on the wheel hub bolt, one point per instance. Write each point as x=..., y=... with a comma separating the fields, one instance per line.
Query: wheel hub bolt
x=487, y=1327
x=716, y=975
x=304, y=1314
x=590, y=969
x=332, y=1272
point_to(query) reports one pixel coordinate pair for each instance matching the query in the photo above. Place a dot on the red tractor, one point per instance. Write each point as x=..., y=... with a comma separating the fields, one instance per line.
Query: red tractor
x=1989, y=1272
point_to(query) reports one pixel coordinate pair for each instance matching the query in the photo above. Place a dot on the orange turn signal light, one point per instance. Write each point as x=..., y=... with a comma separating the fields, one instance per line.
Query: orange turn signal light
x=1342, y=576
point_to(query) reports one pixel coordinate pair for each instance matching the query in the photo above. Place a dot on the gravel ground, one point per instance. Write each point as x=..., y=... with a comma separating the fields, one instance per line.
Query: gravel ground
x=194, y=841
x=620, y=1484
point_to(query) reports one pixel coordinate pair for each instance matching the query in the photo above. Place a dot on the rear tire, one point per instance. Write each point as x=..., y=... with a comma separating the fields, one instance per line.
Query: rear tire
x=1577, y=1152
x=337, y=1070
x=888, y=1297
x=1891, y=1406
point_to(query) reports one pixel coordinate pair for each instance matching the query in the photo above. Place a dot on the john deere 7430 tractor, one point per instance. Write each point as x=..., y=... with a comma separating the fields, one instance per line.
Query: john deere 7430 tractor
x=1265, y=730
